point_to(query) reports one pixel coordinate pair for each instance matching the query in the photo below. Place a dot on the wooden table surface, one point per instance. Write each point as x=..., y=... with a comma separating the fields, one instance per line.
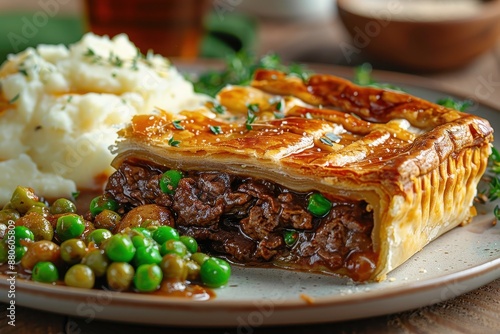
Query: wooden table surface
x=475, y=312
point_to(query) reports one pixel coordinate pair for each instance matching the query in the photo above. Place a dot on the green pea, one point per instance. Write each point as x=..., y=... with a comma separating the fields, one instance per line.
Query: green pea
x=80, y=276
x=190, y=243
x=98, y=236
x=23, y=199
x=120, y=275
x=73, y=250
x=142, y=241
x=318, y=205
x=119, y=248
x=199, y=257
x=193, y=270
x=70, y=226
x=23, y=233
x=101, y=203
x=45, y=272
x=165, y=233
x=174, y=267
x=144, y=231
x=19, y=252
x=97, y=261
x=62, y=205
x=148, y=277
x=215, y=272
x=290, y=237
x=147, y=255
x=169, y=181
x=173, y=247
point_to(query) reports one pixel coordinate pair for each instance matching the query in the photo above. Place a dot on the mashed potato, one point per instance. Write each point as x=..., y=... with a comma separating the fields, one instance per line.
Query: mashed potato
x=60, y=109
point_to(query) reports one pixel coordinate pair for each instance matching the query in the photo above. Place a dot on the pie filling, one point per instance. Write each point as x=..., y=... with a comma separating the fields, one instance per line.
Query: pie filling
x=253, y=221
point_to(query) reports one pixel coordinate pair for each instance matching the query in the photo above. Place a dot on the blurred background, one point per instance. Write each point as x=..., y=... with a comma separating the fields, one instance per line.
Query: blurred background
x=455, y=42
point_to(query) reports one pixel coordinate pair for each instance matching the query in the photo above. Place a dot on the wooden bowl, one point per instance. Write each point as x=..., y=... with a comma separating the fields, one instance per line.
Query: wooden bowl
x=422, y=44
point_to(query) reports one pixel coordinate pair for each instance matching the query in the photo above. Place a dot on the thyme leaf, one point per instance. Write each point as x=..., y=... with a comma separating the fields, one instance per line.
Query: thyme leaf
x=177, y=124
x=326, y=141
x=219, y=109
x=173, y=143
x=215, y=129
x=14, y=99
x=251, y=117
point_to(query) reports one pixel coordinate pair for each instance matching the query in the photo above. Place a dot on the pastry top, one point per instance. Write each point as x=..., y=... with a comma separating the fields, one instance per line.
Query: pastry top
x=325, y=130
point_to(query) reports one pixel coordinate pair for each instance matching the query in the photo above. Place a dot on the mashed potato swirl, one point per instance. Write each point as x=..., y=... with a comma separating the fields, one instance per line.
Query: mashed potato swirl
x=60, y=109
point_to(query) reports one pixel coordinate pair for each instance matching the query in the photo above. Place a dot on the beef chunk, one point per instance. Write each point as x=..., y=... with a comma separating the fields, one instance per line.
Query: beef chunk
x=134, y=185
x=293, y=214
x=195, y=207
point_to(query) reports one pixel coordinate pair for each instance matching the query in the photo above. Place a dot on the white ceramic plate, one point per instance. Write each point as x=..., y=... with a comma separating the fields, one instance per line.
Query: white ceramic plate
x=461, y=260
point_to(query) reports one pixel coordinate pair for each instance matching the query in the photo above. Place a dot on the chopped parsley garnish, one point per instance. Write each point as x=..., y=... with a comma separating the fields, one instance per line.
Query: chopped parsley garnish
x=280, y=106
x=115, y=60
x=23, y=71
x=135, y=60
x=279, y=115
x=14, y=99
x=218, y=109
x=280, y=109
x=90, y=53
x=326, y=141
x=333, y=137
x=94, y=56
x=173, y=143
x=251, y=117
x=75, y=195
x=177, y=124
x=215, y=129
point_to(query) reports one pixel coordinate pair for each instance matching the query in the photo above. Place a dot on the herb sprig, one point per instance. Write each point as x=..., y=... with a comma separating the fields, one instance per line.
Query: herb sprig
x=251, y=117
x=239, y=70
x=493, y=191
x=460, y=105
x=363, y=77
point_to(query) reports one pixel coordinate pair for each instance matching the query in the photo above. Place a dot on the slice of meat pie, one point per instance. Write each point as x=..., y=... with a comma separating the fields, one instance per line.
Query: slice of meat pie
x=321, y=175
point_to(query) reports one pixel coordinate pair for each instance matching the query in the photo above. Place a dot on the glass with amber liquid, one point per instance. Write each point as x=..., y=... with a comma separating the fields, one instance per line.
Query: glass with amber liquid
x=172, y=28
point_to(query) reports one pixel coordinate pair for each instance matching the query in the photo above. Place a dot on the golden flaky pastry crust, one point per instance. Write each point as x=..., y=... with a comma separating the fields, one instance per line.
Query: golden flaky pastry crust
x=416, y=164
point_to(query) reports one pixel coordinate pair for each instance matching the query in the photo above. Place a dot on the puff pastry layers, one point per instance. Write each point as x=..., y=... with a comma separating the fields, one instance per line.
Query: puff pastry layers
x=398, y=170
